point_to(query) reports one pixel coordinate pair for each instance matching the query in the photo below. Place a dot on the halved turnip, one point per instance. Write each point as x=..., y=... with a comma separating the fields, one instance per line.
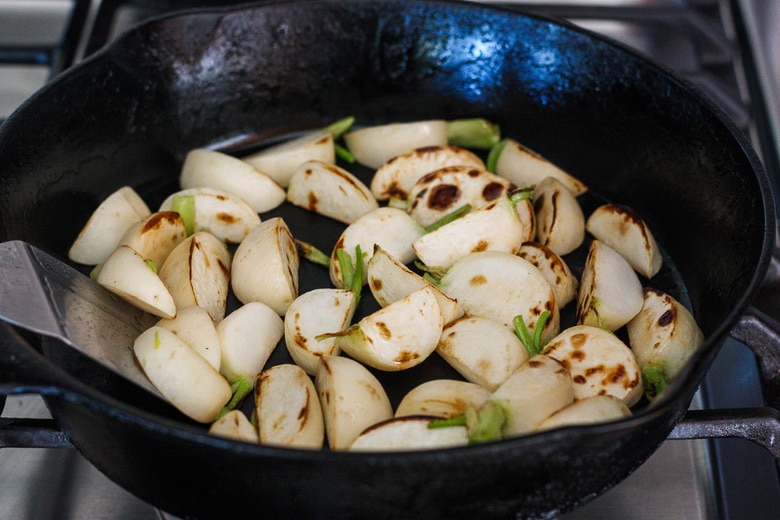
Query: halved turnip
x=554, y=268
x=226, y=216
x=395, y=178
x=313, y=313
x=374, y=145
x=212, y=169
x=105, y=227
x=495, y=227
x=390, y=228
x=181, y=374
x=352, y=399
x=247, y=336
x=663, y=336
x=589, y=410
x=409, y=433
x=287, y=408
x=330, y=190
x=155, y=236
x=599, y=362
x=560, y=223
x=396, y=337
x=538, y=388
x=500, y=286
x=444, y=398
x=390, y=280
x=127, y=274
x=622, y=229
x=524, y=167
x=280, y=160
x=482, y=350
x=610, y=291
x=197, y=272
x=194, y=325
x=442, y=191
x=265, y=266
x=234, y=425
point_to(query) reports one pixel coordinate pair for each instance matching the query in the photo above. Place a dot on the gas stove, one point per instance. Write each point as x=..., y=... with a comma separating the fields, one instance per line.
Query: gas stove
x=729, y=49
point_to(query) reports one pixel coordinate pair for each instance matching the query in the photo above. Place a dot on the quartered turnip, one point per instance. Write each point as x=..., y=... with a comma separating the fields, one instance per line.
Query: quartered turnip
x=265, y=266
x=554, y=268
x=442, y=191
x=622, y=229
x=287, y=408
x=524, y=167
x=599, y=362
x=155, y=236
x=495, y=227
x=194, y=325
x=396, y=337
x=589, y=410
x=560, y=223
x=247, y=336
x=501, y=286
x=396, y=178
x=389, y=280
x=409, y=433
x=234, y=425
x=352, y=399
x=663, y=336
x=226, y=216
x=127, y=274
x=212, y=169
x=538, y=388
x=610, y=291
x=331, y=191
x=105, y=227
x=390, y=228
x=444, y=398
x=197, y=272
x=374, y=145
x=187, y=380
x=280, y=160
x=482, y=350
x=312, y=314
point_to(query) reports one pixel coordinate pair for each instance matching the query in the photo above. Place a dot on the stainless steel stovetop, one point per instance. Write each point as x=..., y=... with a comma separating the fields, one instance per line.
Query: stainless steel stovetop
x=715, y=44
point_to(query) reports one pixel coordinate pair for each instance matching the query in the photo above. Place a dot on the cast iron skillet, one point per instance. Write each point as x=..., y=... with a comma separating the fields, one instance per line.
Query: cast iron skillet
x=633, y=132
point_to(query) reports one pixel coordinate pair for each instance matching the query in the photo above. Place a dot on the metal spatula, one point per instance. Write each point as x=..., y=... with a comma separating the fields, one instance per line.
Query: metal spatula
x=44, y=295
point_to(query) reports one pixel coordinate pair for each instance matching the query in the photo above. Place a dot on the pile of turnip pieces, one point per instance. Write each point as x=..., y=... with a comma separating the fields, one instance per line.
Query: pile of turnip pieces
x=466, y=258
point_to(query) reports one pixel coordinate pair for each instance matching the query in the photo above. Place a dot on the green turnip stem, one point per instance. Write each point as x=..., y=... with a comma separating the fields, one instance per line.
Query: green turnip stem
x=184, y=205
x=532, y=343
x=340, y=127
x=241, y=388
x=522, y=194
x=473, y=133
x=311, y=253
x=653, y=380
x=343, y=154
x=493, y=155
x=351, y=274
x=149, y=262
x=458, y=420
x=352, y=329
x=484, y=425
x=449, y=217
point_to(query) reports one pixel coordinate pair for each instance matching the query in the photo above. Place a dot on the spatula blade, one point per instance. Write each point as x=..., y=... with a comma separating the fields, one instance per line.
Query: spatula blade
x=42, y=294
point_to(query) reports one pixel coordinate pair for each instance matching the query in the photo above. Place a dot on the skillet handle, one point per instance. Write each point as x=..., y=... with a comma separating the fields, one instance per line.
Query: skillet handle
x=761, y=333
